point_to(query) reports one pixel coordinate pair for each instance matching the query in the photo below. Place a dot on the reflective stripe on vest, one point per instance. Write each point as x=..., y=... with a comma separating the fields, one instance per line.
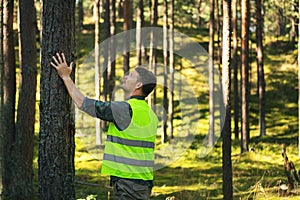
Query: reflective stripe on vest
x=130, y=153
x=134, y=143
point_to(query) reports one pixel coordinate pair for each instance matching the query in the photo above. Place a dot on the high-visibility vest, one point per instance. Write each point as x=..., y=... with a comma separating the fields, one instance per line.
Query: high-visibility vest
x=130, y=153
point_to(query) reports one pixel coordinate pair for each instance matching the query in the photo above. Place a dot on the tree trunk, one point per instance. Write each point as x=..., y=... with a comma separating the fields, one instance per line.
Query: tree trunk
x=171, y=72
x=199, y=12
x=9, y=89
x=56, y=138
x=165, y=56
x=113, y=24
x=152, y=48
x=226, y=83
x=80, y=14
x=106, y=52
x=139, y=25
x=260, y=66
x=245, y=10
x=218, y=31
x=97, y=14
x=211, y=73
x=235, y=65
x=22, y=151
x=1, y=97
x=126, y=27
x=299, y=82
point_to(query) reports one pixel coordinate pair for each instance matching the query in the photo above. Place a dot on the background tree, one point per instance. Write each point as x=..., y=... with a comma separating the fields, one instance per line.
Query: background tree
x=97, y=15
x=139, y=25
x=171, y=71
x=152, y=47
x=80, y=13
x=245, y=10
x=199, y=12
x=211, y=72
x=260, y=67
x=165, y=57
x=235, y=66
x=22, y=150
x=126, y=27
x=106, y=52
x=226, y=84
x=299, y=82
x=113, y=31
x=56, y=138
x=9, y=91
x=1, y=96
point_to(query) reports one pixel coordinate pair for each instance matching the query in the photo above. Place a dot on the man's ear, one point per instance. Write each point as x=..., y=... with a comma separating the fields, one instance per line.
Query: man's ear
x=139, y=85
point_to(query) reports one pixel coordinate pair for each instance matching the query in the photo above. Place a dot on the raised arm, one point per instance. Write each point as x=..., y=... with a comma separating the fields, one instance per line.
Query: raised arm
x=64, y=71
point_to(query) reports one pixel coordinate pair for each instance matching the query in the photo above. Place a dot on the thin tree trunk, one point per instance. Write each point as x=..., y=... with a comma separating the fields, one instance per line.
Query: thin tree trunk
x=245, y=74
x=1, y=98
x=299, y=82
x=171, y=72
x=152, y=48
x=80, y=14
x=235, y=65
x=22, y=151
x=199, y=12
x=226, y=83
x=154, y=19
x=106, y=51
x=9, y=91
x=126, y=27
x=57, y=127
x=139, y=25
x=218, y=31
x=97, y=5
x=165, y=55
x=112, y=72
x=211, y=73
x=260, y=65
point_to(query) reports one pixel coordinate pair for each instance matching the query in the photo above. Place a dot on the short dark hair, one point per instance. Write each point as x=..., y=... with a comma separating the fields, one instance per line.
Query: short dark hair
x=148, y=80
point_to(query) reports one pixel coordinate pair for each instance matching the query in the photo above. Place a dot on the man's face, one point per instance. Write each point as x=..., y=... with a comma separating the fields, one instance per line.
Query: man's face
x=130, y=81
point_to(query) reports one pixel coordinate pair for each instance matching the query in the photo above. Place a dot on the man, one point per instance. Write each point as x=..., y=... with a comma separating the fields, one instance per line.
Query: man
x=129, y=149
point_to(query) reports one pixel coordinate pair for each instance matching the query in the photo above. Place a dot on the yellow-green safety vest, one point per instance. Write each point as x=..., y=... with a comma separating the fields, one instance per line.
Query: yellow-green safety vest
x=130, y=153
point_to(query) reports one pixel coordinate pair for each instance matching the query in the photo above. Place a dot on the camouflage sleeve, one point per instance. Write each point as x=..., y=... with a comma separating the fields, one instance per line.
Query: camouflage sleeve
x=118, y=112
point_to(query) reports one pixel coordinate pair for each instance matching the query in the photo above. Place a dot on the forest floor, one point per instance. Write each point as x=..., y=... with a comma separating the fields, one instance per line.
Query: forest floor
x=257, y=174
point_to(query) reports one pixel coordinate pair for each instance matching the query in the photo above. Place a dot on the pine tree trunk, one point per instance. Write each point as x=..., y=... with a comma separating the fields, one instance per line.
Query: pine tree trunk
x=245, y=10
x=80, y=14
x=171, y=72
x=299, y=82
x=9, y=89
x=126, y=27
x=226, y=83
x=112, y=72
x=165, y=56
x=211, y=73
x=97, y=5
x=260, y=66
x=1, y=97
x=22, y=151
x=106, y=52
x=152, y=48
x=199, y=12
x=139, y=25
x=235, y=68
x=56, y=138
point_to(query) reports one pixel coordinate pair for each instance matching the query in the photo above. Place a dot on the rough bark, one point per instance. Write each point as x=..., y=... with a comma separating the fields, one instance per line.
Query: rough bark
x=56, y=138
